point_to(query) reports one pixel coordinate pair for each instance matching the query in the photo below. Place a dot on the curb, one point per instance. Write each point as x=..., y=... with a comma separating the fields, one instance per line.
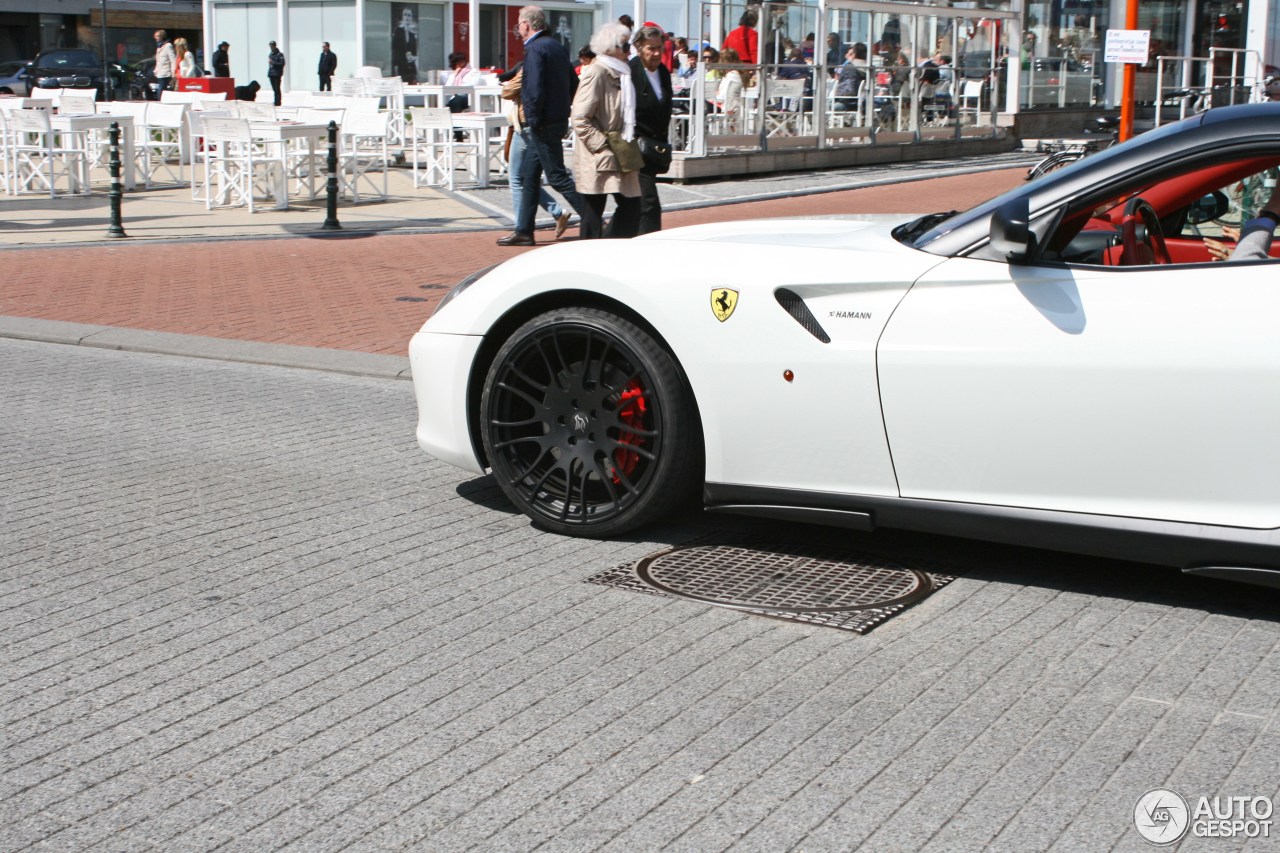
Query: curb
x=347, y=362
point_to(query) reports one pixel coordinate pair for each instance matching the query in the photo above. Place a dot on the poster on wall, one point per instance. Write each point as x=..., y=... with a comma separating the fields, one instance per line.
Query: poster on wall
x=562, y=30
x=404, y=42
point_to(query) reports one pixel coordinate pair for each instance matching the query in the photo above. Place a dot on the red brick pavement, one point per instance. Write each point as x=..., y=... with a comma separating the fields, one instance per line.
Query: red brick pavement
x=356, y=293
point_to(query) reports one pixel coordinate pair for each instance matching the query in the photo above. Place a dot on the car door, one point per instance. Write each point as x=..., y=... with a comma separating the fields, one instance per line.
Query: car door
x=1150, y=392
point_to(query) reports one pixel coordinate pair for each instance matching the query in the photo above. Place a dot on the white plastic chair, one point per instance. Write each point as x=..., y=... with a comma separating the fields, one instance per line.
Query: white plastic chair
x=131, y=114
x=369, y=71
x=162, y=140
x=77, y=104
x=390, y=91
x=200, y=149
x=363, y=150
x=234, y=166
x=970, y=101
x=434, y=151
x=348, y=85
x=360, y=104
x=6, y=154
x=41, y=155
x=782, y=113
x=256, y=110
x=296, y=98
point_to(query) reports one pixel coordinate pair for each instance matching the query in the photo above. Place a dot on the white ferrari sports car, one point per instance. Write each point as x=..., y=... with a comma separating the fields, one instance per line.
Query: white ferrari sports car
x=1064, y=366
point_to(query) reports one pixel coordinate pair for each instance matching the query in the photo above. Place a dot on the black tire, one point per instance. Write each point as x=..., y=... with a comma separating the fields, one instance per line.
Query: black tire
x=588, y=424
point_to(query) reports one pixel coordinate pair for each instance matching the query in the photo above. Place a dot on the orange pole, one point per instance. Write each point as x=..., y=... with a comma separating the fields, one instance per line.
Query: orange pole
x=1126, y=94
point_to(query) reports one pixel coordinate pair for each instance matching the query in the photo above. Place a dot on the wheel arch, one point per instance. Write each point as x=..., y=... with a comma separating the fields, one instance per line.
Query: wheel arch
x=524, y=311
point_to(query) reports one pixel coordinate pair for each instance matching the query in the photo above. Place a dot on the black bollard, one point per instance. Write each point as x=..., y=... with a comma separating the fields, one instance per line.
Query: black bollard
x=116, y=228
x=331, y=219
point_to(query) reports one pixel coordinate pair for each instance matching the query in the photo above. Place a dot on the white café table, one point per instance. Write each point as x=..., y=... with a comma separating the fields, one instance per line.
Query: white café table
x=80, y=125
x=434, y=94
x=481, y=127
x=282, y=133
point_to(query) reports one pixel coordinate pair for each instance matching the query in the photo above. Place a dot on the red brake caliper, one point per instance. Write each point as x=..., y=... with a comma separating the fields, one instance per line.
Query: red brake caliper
x=631, y=411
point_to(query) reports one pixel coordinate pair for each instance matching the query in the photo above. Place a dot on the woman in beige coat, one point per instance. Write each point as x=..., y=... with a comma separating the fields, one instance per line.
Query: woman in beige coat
x=606, y=102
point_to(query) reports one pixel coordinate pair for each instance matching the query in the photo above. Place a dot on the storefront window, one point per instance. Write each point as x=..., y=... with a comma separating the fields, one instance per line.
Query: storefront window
x=311, y=24
x=1061, y=53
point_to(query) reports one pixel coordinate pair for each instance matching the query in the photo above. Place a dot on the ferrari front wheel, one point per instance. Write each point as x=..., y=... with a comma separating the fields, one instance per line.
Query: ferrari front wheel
x=588, y=424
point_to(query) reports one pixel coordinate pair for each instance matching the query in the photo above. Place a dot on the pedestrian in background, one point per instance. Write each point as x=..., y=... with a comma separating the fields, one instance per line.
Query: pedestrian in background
x=604, y=110
x=547, y=97
x=166, y=61
x=744, y=39
x=460, y=73
x=328, y=65
x=221, y=61
x=275, y=70
x=186, y=59
x=652, y=83
x=512, y=81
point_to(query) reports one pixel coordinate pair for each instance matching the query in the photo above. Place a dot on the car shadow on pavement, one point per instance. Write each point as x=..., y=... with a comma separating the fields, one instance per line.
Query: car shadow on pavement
x=972, y=559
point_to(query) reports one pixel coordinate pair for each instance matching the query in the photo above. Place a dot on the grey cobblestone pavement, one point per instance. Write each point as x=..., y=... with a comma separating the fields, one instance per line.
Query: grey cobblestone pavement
x=243, y=612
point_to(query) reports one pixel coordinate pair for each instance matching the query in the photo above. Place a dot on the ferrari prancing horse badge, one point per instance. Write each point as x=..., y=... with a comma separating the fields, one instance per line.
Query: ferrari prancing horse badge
x=723, y=301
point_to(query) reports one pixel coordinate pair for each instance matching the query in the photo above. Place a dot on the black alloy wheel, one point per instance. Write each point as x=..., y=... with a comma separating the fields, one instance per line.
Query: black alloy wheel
x=588, y=424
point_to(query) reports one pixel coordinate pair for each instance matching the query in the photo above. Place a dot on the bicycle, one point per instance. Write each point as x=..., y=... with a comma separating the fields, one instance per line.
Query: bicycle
x=1062, y=153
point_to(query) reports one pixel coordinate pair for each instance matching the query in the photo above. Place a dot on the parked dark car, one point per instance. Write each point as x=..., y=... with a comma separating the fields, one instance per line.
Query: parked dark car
x=73, y=68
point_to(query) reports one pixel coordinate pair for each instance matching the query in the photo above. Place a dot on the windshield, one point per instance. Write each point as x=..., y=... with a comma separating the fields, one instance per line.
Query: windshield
x=68, y=59
x=921, y=238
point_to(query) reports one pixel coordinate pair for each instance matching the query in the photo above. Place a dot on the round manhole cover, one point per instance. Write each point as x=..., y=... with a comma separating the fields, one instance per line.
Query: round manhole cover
x=793, y=580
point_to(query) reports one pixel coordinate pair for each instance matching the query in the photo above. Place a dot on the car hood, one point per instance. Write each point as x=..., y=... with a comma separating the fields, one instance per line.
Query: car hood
x=816, y=232
x=751, y=255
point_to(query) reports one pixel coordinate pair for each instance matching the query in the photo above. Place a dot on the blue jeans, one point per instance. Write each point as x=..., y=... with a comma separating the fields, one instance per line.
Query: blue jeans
x=544, y=153
x=515, y=162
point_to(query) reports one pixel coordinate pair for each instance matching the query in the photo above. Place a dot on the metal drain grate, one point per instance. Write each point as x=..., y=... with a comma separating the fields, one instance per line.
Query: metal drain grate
x=825, y=586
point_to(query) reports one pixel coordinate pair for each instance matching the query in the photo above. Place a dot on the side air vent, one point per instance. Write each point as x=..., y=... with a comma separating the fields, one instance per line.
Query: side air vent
x=794, y=305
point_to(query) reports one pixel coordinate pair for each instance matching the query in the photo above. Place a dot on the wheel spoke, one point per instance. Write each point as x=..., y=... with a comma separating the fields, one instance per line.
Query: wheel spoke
x=605, y=478
x=537, y=404
x=638, y=449
x=528, y=380
x=564, y=365
x=568, y=491
x=523, y=439
x=604, y=353
x=525, y=422
x=582, y=487
x=538, y=347
x=519, y=474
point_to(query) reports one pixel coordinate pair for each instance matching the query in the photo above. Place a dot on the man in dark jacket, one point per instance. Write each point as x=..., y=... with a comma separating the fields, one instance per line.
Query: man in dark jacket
x=328, y=65
x=221, y=61
x=275, y=70
x=653, y=114
x=547, y=96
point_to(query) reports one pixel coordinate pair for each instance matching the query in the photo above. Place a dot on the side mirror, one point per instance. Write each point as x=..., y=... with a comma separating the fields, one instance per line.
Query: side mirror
x=1213, y=206
x=1011, y=235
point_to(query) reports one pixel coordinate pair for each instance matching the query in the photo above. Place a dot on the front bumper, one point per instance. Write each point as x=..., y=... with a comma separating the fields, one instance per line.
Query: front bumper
x=441, y=366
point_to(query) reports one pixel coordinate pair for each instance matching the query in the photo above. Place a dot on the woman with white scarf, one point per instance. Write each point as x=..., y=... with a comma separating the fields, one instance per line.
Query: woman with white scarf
x=605, y=103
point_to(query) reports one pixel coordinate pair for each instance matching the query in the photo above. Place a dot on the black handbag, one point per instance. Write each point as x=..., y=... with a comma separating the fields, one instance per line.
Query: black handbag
x=656, y=154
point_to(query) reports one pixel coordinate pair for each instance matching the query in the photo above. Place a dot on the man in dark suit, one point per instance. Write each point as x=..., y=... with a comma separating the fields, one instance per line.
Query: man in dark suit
x=328, y=65
x=653, y=114
x=547, y=96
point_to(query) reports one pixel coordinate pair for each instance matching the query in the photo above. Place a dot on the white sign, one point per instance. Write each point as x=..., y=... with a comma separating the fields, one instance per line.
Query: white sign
x=1127, y=46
